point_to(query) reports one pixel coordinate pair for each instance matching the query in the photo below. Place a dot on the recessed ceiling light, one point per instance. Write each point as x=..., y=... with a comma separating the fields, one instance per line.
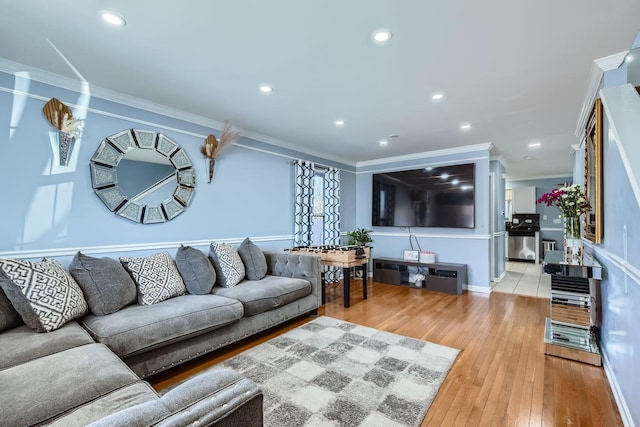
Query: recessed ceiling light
x=534, y=145
x=381, y=36
x=394, y=135
x=444, y=176
x=265, y=89
x=529, y=158
x=465, y=126
x=428, y=168
x=437, y=96
x=455, y=181
x=339, y=123
x=112, y=19
x=383, y=142
x=466, y=187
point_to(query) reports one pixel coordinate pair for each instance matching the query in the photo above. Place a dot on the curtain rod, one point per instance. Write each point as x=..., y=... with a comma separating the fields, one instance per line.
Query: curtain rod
x=317, y=165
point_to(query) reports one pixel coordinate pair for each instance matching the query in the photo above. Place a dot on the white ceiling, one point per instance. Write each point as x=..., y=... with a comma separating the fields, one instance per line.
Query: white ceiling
x=516, y=70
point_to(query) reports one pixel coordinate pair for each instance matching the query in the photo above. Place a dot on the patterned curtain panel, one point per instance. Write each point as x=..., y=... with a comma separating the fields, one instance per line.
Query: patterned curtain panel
x=303, y=219
x=332, y=217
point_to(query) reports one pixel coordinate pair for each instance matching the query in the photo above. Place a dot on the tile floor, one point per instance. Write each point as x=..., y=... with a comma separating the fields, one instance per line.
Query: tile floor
x=524, y=278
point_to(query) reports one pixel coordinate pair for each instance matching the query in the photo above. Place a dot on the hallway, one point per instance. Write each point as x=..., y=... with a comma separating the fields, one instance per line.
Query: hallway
x=524, y=278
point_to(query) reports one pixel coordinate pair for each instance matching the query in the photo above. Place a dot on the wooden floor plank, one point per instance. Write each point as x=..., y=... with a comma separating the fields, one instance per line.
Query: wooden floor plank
x=501, y=377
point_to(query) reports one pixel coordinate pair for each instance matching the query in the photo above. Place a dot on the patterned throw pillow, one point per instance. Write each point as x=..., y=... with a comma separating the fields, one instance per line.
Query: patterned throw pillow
x=156, y=277
x=227, y=263
x=44, y=294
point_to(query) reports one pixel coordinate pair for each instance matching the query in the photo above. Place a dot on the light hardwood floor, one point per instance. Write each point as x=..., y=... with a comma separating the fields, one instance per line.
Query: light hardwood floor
x=501, y=377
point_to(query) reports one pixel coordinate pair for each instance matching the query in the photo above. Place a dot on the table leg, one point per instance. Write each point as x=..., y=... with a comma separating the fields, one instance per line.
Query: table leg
x=364, y=281
x=323, y=291
x=346, y=272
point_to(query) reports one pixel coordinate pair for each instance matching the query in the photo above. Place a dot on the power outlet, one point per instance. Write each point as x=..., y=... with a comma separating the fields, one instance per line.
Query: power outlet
x=544, y=217
x=556, y=220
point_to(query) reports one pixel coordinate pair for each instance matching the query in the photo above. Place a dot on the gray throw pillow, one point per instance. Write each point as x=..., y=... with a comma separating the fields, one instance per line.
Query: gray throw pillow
x=9, y=317
x=30, y=285
x=105, y=283
x=255, y=263
x=196, y=270
x=227, y=262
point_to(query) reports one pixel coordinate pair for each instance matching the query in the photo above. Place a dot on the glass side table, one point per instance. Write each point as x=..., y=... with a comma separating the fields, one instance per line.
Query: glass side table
x=571, y=331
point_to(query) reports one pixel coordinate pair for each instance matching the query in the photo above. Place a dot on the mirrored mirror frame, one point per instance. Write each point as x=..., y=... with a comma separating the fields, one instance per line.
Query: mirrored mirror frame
x=593, y=225
x=104, y=175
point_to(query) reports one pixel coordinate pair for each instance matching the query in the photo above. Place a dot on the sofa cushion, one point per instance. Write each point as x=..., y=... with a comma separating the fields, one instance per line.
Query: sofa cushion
x=9, y=317
x=266, y=294
x=137, y=329
x=44, y=294
x=255, y=264
x=105, y=283
x=59, y=382
x=21, y=344
x=156, y=277
x=220, y=397
x=140, y=393
x=228, y=264
x=196, y=270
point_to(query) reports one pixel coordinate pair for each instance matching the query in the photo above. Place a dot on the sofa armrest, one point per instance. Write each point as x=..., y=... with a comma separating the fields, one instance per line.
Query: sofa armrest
x=299, y=266
x=221, y=398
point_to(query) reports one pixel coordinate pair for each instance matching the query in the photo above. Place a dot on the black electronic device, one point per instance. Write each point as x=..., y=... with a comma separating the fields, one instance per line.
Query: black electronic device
x=439, y=196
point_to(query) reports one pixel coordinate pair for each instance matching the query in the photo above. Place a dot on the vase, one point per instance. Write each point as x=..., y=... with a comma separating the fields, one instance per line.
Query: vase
x=573, y=249
x=65, y=147
x=211, y=164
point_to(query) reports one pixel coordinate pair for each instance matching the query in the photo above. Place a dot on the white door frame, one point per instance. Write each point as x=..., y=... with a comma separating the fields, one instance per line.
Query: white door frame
x=492, y=226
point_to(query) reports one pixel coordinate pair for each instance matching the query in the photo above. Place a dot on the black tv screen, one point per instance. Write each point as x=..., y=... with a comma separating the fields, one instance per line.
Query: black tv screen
x=439, y=196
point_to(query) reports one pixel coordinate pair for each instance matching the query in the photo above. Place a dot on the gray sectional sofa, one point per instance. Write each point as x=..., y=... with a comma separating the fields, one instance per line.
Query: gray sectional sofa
x=91, y=370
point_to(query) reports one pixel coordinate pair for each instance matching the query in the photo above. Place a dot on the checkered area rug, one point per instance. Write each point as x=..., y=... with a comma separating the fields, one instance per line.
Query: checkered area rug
x=334, y=373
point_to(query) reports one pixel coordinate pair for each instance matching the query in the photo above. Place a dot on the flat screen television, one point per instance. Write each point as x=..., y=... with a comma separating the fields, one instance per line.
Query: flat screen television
x=439, y=196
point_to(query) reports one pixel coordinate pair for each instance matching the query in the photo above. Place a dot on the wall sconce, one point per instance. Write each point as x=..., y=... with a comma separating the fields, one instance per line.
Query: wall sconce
x=212, y=147
x=67, y=128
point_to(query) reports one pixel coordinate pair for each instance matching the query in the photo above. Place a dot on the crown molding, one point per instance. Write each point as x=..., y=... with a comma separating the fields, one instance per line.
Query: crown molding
x=501, y=160
x=598, y=68
x=531, y=178
x=84, y=87
x=436, y=153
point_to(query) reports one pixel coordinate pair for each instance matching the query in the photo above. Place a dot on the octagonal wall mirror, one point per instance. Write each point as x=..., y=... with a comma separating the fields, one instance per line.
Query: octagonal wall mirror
x=142, y=176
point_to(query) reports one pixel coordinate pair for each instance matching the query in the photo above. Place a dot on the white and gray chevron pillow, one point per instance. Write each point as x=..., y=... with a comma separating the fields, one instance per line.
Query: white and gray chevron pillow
x=227, y=263
x=157, y=277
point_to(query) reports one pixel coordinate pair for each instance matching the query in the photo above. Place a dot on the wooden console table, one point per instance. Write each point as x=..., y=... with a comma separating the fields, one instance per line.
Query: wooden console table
x=346, y=273
x=439, y=276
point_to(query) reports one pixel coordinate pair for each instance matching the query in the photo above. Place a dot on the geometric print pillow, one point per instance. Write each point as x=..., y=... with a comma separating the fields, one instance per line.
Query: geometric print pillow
x=157, y=277
x=44, y=294
x=228, y=264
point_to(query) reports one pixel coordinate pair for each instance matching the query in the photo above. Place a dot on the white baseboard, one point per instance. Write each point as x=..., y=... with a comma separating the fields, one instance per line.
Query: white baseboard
x=497, y=279
x=617, y=393
x=479, y=289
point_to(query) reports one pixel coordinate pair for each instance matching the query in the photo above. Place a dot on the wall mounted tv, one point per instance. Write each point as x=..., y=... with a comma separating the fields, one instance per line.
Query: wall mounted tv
x=439, y=196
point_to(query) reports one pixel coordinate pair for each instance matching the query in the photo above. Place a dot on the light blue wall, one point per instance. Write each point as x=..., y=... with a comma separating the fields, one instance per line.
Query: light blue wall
x=53, y=208
x=619, y=254
x=467, y=246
